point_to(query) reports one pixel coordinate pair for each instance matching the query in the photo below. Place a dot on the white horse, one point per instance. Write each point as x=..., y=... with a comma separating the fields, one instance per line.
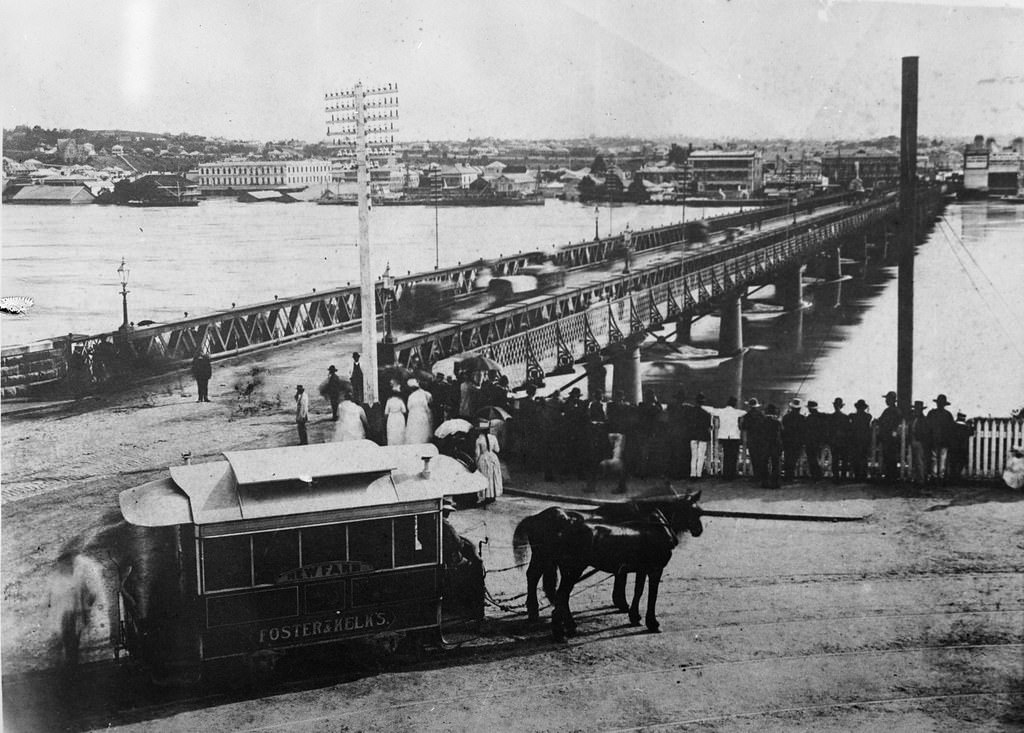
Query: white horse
x=615, y=466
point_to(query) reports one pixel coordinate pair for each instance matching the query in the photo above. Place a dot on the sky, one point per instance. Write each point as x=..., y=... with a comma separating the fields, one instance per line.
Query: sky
x=534, y=69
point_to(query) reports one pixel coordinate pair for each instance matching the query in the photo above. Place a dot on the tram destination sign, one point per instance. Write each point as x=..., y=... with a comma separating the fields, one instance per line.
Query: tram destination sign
x=322, y=570
x=375, y=620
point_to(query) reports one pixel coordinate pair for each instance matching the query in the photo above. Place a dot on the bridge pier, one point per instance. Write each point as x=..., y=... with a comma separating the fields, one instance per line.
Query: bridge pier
x=683, y=325
x=789, y=287
x=834, y=264
x=730, y=327
x=626, y=375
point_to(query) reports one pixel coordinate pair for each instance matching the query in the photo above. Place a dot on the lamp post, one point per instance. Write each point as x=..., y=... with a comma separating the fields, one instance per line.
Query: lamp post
x=597, y=214
x=122, y=273
x=388, y=285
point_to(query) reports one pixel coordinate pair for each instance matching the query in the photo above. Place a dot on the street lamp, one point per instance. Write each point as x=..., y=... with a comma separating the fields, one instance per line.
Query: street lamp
x=597, y=214
x=122, y=273
x=388, y=285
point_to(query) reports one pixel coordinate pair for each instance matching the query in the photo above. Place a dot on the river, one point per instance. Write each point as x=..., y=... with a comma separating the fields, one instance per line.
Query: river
x=197, y=260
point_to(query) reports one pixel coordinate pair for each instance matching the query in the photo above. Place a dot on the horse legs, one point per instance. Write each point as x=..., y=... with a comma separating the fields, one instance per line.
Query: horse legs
x=533, y=575
x=619, y=592
x=638, y=591
x=652, y=599
x=562, y=623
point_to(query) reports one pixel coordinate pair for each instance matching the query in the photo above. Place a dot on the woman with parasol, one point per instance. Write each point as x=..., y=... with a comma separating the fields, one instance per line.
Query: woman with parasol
x=418, y=428
x=352, y=423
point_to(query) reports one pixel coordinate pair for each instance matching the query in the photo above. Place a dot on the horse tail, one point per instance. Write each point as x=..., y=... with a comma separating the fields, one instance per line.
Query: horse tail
x=521, y=541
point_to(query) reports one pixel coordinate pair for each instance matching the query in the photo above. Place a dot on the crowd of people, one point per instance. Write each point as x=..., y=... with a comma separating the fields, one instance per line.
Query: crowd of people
x=590, y=437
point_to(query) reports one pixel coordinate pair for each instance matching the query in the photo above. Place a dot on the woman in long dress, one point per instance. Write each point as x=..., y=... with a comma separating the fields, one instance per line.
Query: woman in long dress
x=487, y=462
x=418, y=428
x=394, y=414
x=351, y=423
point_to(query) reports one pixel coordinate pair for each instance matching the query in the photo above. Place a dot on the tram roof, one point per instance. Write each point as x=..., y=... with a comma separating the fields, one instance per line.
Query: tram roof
x=297, y=480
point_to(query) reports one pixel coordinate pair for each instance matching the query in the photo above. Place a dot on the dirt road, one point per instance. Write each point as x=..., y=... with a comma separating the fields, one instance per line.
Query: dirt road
x=912, y=619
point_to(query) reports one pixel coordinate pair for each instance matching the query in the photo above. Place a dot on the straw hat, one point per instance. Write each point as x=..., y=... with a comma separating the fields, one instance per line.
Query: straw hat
x=448, y=505
x=795, y=403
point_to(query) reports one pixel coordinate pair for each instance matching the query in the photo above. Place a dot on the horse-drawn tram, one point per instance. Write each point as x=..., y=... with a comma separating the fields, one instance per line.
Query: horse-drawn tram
x=276, y=549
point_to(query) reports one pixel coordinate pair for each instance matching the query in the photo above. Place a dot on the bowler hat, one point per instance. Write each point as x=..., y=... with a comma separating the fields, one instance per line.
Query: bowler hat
x=838, y=402
x=941, y=400
x=332, y=368
x=860, y=403
x=448, y=505
x=812, y=405
x=961, y=416
x=918, y=405
x=889, y=394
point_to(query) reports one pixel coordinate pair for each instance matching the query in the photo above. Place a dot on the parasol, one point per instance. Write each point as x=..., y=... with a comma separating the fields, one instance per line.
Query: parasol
x=479, y=363
x=492, y=413
x=452, y=427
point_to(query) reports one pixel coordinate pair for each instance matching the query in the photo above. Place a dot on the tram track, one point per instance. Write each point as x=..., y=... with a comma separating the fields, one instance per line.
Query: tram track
x=531, y=691
x=139, y=710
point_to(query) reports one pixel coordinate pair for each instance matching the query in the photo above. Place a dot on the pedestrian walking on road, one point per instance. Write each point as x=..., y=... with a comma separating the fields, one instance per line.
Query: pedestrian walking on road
x=201, y=372
x=332, y=390
x=888, y=426
x=302, y=413
x=356, y=380
x=860, y=440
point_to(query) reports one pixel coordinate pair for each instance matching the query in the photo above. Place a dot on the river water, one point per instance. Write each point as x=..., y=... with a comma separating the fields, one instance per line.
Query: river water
x=197, y=260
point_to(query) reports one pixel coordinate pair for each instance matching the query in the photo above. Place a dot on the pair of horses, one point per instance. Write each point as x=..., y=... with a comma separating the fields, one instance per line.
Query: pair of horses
x=631, y=537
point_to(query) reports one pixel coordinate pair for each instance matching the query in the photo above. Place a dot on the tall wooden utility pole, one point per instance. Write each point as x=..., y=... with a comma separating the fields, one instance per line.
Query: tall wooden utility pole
x=348, y=130
x=908, y=237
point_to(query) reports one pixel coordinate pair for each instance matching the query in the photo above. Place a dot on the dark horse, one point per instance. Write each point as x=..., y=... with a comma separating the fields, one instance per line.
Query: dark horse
x=635, y=537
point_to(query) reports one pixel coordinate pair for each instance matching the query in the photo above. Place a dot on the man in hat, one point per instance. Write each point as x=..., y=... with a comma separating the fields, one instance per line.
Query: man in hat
x=697, y=425
x=860, y=440
x=332, y=390
x=753, y=430
x=771, y=436
x=793, y=431
x=815, y=430
x=356, y=380
x=888, y=425
x=920, y=443
x=839, y=440
x=942, y=427
x=301, y=413
x=201, y=372
x=960, y=449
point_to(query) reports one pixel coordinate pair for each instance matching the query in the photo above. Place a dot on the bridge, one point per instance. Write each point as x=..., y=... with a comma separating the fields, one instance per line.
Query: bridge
x=600, y=309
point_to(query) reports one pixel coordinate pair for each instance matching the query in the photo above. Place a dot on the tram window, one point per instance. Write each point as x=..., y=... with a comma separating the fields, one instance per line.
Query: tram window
x=227, y=562
x=370, y=542
x=273, y=553
x=416, y=540
x=323, y=544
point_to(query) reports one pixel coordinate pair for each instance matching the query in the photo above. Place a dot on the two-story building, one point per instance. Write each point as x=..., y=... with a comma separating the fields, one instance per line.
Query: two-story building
x=875, y=167
x=230, y=177
x=727, y=171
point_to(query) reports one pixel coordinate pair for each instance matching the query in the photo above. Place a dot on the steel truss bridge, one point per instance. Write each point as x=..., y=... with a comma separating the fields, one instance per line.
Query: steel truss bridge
x=545, y=331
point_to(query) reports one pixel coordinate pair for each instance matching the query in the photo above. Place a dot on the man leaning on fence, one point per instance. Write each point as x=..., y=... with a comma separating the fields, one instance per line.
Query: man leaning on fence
x=888, y=426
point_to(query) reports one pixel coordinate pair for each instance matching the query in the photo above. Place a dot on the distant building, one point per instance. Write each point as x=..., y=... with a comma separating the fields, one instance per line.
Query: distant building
x=52, y=194
x=877, y=168
x=233, y=176
x=727, y=170
x=991, y=170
